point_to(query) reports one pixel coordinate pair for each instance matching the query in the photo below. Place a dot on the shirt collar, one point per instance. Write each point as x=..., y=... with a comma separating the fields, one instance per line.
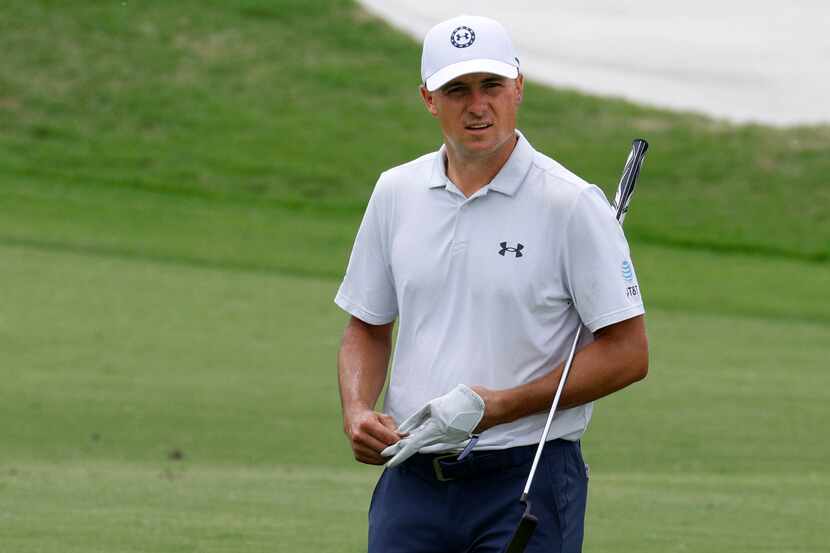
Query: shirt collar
x=506, y=181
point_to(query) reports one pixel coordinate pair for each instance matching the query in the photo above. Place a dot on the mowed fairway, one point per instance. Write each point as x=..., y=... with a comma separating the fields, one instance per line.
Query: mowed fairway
x=113, y=368
x=179, y=187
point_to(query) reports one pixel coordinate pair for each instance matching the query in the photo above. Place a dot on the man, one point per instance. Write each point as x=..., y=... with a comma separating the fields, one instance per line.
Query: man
x=489, y=255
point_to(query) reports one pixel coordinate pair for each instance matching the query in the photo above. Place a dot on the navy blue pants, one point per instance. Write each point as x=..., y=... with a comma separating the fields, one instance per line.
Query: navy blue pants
x=473, y=506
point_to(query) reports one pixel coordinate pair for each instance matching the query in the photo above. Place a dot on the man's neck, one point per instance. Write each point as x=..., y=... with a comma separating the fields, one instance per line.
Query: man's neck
x=471, y=174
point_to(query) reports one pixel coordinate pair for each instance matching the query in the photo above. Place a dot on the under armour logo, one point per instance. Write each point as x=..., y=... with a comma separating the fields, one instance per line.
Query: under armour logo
x=462, y=37
x=505, y=248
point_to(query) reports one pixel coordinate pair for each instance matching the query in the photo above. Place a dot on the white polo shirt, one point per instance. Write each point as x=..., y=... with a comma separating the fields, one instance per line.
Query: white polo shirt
x=488, y=290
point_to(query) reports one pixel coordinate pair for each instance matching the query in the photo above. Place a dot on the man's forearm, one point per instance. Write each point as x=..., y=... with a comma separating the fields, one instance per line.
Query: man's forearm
x=618, y=357
x=362, y=364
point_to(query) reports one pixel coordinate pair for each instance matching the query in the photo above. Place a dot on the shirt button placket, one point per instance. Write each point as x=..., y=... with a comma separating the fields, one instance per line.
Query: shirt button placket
x=459, y=243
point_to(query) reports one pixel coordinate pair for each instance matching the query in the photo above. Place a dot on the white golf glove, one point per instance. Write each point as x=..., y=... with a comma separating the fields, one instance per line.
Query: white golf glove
x=447, y=420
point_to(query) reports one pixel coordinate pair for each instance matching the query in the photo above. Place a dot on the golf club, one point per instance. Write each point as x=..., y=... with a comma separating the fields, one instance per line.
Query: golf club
x=625, y=190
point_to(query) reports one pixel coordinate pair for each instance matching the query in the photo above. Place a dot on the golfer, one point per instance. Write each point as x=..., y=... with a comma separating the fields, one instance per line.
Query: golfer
x=489, y=255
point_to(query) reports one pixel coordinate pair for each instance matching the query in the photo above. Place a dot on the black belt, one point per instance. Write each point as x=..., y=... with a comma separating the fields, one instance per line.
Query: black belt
x=478, y=464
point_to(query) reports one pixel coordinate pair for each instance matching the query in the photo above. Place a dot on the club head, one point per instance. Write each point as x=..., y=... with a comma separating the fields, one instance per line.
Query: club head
x=524, y=530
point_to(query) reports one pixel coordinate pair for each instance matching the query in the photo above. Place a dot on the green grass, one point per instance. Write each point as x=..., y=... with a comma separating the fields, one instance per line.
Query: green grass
x=298, y=107
x=180, y=184
x=104, y=507
x=101, y=507
x=234, y=370
x=130, y=360
x=704, y=512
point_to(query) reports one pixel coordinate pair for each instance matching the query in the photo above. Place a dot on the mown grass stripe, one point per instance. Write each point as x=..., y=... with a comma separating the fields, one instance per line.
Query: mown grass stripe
x=758, y=310
x=128, y=254
x=725, y=247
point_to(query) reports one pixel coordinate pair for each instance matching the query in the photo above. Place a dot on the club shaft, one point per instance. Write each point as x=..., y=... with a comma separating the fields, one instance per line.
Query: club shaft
x=552, y=412
x=622, y=198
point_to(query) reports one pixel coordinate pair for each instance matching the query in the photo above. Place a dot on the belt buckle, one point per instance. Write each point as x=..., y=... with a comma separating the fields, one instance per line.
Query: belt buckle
x=439, y=472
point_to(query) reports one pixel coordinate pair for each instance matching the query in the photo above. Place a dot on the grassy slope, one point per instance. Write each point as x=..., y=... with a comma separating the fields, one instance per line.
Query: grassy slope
x=295, y=108
x=165, y=168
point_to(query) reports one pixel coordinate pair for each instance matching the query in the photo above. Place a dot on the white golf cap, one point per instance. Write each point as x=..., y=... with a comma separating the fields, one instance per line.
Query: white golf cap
x=467, y=44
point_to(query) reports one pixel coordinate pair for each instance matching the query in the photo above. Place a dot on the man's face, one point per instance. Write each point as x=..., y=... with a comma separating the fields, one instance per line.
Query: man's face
x=477, y=112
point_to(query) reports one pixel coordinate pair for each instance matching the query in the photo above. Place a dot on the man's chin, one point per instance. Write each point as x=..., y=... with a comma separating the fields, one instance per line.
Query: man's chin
x=483, y=145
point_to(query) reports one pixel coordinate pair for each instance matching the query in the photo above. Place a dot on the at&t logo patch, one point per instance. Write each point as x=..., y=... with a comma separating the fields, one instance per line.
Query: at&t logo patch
x=628, y=276
x=627, y=271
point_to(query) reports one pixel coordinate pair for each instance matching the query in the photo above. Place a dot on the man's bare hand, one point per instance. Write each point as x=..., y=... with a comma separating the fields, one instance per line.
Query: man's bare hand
x=369, y=433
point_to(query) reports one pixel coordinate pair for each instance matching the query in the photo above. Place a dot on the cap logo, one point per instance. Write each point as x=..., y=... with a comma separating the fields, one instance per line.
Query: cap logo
x=463, y=37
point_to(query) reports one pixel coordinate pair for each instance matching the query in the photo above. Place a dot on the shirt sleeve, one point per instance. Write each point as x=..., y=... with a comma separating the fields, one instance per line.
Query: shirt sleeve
x=367, y=291
x=597, y=263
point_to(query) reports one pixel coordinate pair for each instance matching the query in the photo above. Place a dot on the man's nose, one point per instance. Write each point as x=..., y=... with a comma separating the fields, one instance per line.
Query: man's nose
x=478, y=103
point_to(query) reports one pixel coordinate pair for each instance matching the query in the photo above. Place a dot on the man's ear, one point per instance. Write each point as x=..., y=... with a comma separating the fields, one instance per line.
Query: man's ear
x=429, y=101
x=520, y=86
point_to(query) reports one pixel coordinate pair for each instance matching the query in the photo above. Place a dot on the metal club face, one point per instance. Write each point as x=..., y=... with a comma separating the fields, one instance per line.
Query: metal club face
x=524, y=531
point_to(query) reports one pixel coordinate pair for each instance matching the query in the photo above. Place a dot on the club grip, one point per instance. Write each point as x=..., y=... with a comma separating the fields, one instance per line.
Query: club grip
x=640, y=143
x=629, y=177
